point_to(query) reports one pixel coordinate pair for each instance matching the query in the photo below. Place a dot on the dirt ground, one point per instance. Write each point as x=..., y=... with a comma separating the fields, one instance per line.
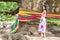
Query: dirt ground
x=41, y=38
x=49, y=36
x=24, y=34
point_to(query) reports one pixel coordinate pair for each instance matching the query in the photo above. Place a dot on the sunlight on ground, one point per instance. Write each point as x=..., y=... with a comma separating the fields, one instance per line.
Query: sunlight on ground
x=1, y=39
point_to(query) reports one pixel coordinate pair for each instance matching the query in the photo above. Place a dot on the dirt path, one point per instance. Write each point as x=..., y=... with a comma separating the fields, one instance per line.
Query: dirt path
x=49, y=36
x=41, y=38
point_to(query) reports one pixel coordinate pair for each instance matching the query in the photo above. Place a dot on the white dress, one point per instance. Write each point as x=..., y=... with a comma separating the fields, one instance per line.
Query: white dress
x=42, y=25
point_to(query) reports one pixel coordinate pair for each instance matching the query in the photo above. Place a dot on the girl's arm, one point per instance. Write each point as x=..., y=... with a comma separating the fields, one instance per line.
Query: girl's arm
x=44, y=13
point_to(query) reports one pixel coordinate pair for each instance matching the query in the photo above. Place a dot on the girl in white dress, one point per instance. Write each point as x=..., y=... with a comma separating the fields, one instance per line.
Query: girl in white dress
x=42, y=25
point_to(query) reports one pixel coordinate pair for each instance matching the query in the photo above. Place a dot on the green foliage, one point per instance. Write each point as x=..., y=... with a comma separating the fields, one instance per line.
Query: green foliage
x=8, y=6
x=8, y=17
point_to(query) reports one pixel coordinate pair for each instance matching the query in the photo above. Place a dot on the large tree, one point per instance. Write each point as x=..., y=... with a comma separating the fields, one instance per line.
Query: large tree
x=54, y=5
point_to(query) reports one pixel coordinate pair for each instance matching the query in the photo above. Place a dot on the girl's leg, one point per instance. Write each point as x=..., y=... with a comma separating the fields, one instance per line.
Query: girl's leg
x=44, y=34
x=41, y=34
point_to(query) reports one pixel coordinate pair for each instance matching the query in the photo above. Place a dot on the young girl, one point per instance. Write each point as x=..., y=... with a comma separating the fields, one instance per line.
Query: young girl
x=42, y=25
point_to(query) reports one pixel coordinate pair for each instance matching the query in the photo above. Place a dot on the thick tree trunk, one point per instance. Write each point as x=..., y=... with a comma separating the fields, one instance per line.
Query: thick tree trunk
x=54, y=6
